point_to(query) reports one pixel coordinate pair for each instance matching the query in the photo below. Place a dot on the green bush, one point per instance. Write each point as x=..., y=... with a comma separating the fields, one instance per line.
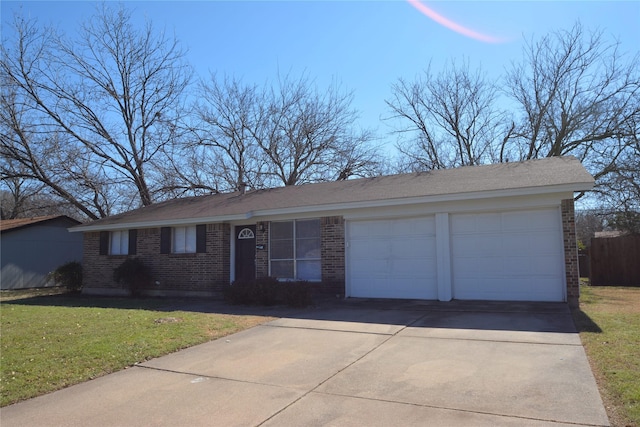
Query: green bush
x=69, y=275
x=134, y=274
x=268, y=291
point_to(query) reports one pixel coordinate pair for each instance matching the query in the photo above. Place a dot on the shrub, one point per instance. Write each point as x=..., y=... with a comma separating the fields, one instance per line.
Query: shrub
x=262, y=291
x=134, y=274
x=268, y=291
x=297, y=294
x=69, y=275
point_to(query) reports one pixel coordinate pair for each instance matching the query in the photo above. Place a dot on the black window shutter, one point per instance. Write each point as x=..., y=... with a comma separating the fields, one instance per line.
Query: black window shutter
x=201, y=238
x=165, y=240
x=133, y=241
x=104, y=243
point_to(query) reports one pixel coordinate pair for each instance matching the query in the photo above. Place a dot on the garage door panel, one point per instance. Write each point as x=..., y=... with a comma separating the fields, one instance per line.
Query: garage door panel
x=414, y=250
x=416, y=268
x=476, y=223
x=392, y=258
x=511, y=255
x=369, y=268
x=536, y=290
x=368, y=228
x=476, y=245
x=547, y=265
x=544, y=243
x=367, y=249
x=473, y=267
x=413, y=227
x=515, y=221
x=515, y=266
x=487, y=223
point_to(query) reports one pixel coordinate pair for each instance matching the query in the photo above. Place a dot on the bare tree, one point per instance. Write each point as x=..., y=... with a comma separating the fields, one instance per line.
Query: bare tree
x=103, y=101
x=284, y=134
x=448, y=119
x=572, y=93
x=15, y=197
x=228, y=119
x=576, y=95
x=36, y=155
x=619, y=190
x=309, y=136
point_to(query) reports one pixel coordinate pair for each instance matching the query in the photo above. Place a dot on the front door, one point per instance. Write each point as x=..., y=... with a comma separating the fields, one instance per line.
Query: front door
x=245, y=252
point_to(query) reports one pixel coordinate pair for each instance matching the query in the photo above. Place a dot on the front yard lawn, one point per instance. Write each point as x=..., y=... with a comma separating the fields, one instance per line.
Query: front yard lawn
x=609, y=325
x=53, y=341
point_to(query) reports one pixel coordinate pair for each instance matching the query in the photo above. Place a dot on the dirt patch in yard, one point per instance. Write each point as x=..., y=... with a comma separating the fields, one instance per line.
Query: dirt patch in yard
x=614, y=300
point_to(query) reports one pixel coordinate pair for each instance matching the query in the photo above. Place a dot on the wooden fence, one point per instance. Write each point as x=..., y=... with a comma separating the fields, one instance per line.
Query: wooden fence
x=615, y=261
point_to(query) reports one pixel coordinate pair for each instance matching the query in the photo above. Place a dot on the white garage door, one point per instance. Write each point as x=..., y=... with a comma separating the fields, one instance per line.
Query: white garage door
x=392, y=258
x=516, y=255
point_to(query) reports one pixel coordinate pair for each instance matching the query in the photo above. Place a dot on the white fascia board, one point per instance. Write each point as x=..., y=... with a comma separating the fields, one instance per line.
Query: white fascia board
x=567, y=188
x=341, y=207
x=161, y=223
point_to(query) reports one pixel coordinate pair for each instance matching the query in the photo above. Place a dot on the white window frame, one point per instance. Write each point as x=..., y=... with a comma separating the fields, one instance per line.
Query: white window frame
x=184, y=240
x=119, y=242
x=295, y=258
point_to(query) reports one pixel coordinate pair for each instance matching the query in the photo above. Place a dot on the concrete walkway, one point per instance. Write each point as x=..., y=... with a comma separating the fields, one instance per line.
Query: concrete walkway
x=353, y=364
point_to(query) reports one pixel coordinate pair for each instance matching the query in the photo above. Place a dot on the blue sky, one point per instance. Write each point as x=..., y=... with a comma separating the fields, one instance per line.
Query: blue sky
x=363, y=45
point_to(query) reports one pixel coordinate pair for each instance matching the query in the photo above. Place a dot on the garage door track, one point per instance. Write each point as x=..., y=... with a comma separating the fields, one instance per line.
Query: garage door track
x=353, y=363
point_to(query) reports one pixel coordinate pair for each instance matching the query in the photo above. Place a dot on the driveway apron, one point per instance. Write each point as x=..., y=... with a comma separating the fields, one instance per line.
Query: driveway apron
x=353, y=364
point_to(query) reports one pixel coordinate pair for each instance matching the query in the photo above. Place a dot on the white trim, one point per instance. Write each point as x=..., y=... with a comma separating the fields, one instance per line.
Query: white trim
x=341, y=207
x=443, y=257
x=232, y=253
x=160, y=223
x=529, y=191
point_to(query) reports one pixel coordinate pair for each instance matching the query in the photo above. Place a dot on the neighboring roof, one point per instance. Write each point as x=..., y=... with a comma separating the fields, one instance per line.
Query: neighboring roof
x=554, y=174
x=14, y=224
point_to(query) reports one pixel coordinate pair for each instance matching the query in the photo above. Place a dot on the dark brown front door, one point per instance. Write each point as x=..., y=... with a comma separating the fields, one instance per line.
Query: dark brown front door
x=245, y=252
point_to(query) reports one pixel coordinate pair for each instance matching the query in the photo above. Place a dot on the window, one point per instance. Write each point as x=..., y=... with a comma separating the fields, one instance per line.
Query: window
x=183, y=240
x=120, y=242
x=295, y=249
x=246, y=233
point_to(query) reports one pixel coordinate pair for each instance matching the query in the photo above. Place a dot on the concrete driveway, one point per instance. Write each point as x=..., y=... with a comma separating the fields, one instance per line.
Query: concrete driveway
x=353, y=363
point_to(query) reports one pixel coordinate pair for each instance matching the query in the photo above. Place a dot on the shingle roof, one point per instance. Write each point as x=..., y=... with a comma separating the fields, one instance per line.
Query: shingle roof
x=537, y=176
x=12, y=224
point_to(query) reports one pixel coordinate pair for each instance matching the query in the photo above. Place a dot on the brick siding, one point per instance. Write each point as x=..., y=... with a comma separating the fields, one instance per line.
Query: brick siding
x=178, y=274
x=205, y=273
x=262, y=255
x=332, y=255
x=570, y=252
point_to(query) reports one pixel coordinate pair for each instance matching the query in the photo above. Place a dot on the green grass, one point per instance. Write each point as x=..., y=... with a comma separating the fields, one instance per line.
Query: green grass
x=609, y=325
x=52, y=341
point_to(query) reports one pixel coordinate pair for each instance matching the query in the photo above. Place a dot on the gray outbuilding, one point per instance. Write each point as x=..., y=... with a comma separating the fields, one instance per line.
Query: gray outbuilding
x=33, y=247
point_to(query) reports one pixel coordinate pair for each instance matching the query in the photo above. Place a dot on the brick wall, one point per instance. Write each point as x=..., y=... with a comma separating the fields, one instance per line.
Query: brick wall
x=178, y=274
x=570, y=252
x=262, y=255
x=205, y=273
x=97, y=270
x=332, y=254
